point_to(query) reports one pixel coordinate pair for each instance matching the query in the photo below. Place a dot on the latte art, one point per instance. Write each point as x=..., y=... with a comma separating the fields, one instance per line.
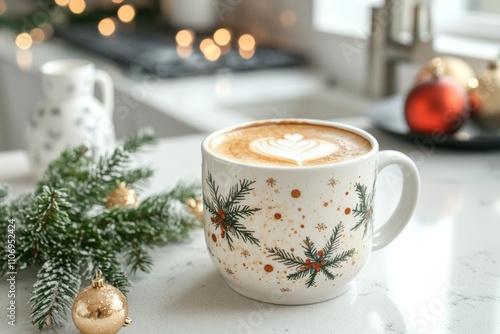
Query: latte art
x=293, y=147
x=288, y=143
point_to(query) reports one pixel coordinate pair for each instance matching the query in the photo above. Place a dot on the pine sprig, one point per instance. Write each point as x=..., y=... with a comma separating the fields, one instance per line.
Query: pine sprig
x=317, y=261
x=4, y=192
x=134, y=144
x=87, y=182
x=309, y=249
x=104, y=258
x=282, y=256
x=364, y=208
x=57, y=285
x=138, y=258
x=227, y=212
x=333, y=242
x=47, y=224
x=64, y=229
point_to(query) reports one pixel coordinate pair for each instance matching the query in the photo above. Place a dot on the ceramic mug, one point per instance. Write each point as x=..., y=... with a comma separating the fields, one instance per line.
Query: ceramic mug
x=296, y=234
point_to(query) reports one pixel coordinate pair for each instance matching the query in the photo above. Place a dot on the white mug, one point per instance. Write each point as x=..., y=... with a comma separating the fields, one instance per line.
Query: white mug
x=301, y=234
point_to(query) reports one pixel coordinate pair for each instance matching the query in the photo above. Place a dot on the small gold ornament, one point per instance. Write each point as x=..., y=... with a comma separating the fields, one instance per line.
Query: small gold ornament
x=122, y=197
x=451, y=67
x=195, y=206
x=100, y=308
x=485, y=97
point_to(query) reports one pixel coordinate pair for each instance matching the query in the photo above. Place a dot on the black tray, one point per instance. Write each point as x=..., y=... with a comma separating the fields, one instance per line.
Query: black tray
x=388, y=115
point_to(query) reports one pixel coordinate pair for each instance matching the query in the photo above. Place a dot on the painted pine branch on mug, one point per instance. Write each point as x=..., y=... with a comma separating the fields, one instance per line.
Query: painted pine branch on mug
x=364, y=209
x=227, y=212
x=317, y=261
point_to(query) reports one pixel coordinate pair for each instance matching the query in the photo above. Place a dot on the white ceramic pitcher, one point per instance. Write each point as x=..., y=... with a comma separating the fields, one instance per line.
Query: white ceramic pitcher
x=69, y=114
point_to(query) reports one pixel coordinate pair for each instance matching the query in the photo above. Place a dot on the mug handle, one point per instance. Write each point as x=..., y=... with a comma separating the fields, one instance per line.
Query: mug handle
x=407, y=202
x=105, y=83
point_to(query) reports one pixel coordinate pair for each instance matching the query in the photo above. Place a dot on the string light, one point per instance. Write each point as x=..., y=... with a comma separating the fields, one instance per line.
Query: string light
x=126, y=13
x=205, y=43
x=184, y=37
x=222, y=37
x=288, y=18
x=3, y=7
x=77, y=6
x=62, y=3
x=212, y=52
x=246, y=42
x=106, y=27
x=48, y=30
x=24, y=41
x=37, y=35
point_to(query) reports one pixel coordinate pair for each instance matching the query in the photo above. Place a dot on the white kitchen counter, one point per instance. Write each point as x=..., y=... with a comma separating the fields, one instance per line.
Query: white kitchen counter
x=441, y=275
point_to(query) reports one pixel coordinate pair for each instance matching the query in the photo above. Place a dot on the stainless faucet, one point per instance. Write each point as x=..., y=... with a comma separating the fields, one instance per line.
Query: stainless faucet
x=388, y=45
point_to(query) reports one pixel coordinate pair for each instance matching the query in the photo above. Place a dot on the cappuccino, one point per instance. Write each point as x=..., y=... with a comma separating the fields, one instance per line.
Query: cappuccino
x=289, y=143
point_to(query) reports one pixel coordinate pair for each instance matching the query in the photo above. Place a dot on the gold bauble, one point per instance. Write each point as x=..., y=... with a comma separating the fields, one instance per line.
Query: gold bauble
x=195, y=206
x=485, y=97
x=122, y=197
x=100, y=308
x=452, y=67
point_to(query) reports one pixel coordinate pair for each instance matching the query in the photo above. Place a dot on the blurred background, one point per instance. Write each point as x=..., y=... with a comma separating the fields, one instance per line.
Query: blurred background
x=191, y=66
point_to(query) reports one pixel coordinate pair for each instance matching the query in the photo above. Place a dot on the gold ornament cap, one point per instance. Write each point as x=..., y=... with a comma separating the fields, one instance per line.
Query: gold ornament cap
x=437, y=69
x=98, y=281
x=122, y=197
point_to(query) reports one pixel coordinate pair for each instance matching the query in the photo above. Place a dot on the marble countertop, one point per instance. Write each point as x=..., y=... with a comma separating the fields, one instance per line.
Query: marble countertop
x=441, y=275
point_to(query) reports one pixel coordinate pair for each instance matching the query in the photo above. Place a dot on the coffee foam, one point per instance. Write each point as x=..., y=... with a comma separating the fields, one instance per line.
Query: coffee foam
x=289, y=143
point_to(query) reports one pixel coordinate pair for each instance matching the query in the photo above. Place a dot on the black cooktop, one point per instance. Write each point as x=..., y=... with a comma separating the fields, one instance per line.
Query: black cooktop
x=151, y=49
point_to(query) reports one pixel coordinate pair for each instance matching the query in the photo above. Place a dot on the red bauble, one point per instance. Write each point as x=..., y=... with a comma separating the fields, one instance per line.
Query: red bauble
x=437, y=105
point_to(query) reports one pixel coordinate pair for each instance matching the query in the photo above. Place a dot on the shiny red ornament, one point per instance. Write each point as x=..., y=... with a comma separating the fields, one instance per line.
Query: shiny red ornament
x=437, y=105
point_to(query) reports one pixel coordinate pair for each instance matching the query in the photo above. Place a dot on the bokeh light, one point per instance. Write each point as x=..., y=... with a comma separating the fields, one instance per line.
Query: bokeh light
x=246, y=42
x=212, y=52
x=37, y=35
x=205, y=43
x=126, y=13
x=77, y=6
x=62, y=3
x=48, y=30
x=184, y=38
x=3, y=7
x=473, y=83
x=106, y=27
x=24, y=41
x=222, y=37
x=288, y=18
x=117, y=1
